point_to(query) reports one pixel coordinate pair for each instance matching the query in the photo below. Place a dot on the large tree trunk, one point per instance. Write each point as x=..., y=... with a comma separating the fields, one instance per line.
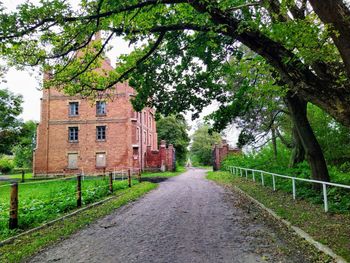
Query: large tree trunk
x=314, y=155
x=337, y=14
x=298, y=152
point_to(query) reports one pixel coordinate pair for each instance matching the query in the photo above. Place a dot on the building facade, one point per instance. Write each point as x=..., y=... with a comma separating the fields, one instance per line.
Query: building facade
x=78, y=135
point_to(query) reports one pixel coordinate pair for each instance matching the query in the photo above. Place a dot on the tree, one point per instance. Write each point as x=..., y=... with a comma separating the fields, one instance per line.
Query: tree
x=10, y=108
x=23, y=150
x=257, y=103
x=287, y=34
x=202, y=144
x=173, y=129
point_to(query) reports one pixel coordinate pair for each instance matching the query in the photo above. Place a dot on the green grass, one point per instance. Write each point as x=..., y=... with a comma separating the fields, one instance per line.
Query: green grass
x=46, y=200
x=28, y=245
x=179, y=170
x=332, y=229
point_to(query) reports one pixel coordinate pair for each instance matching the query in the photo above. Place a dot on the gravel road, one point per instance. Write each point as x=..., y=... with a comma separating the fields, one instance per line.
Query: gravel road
x=187, y=219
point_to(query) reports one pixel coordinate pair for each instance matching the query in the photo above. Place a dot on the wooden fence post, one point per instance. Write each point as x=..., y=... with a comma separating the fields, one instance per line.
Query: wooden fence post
x=139, y=175
x=111, y=182
x=23, y=175
x=79, y=191
x=129, y=178
x=13, y=222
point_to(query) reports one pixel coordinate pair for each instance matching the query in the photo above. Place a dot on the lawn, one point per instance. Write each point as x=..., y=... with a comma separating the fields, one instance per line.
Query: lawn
x=332, y=229
x=43, y=201
x=26, y=246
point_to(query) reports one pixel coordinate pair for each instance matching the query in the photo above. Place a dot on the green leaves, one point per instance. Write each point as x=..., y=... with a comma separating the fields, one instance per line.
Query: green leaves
x=173, y=129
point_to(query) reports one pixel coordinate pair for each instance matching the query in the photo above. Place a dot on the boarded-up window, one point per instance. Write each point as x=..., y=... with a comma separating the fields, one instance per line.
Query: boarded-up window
x=100, y=159
x=72, y=160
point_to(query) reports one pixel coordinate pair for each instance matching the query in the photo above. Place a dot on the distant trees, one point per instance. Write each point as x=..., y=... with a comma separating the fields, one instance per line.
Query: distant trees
x=202, y=145
x=173, y=129
x=16, y=136
x=10, y=109
x=23, y=150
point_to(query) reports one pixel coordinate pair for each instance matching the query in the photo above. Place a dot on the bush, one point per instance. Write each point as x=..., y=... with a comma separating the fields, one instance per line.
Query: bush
x=6, y=165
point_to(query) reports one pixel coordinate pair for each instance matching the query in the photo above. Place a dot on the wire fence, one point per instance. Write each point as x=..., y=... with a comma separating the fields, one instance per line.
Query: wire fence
x=261, y=176
x=30, y=204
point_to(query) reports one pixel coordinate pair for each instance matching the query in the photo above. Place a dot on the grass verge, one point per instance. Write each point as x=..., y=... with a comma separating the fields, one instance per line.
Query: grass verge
x=44, y=201
x=30, y=244
x=330, y=229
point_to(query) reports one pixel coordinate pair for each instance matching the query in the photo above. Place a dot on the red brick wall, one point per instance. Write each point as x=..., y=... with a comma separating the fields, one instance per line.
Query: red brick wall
x=220, y=152
x=160, y=159
x=123, y=148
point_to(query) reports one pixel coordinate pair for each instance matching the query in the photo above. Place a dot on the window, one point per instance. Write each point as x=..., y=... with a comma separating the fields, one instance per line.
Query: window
x=73, y=134
x=101, y=133
x=101, y=108
x=100, y=159
x=144, y=137
x=72, y=160
x=149, y=121
x=73, y=108
x=137, y=134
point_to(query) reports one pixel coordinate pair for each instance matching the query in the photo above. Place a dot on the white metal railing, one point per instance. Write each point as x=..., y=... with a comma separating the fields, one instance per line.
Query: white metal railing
x=239, y=171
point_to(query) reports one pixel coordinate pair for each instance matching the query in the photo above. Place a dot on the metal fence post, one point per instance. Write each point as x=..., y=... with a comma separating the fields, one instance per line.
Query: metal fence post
x=294, y=192
x=13, y=221
x=246, y=174
x=325, y=199
x=241, y=172
x=273, y=183
x=262, y=179
x=253, y=176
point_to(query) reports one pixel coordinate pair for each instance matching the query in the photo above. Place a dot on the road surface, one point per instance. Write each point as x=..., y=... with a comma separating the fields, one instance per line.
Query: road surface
x=187, y=219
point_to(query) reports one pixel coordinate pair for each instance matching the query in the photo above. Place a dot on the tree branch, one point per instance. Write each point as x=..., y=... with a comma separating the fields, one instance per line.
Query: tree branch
x=145, y=57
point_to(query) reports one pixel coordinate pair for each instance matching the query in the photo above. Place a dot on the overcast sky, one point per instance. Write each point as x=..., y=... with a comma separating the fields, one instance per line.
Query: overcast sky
x=28, y=84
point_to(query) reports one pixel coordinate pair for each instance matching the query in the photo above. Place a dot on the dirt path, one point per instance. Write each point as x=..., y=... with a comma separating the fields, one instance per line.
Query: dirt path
x=187, y=219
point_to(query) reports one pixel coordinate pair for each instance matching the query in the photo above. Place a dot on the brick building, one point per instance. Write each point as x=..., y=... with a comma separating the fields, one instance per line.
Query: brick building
x=79, y=135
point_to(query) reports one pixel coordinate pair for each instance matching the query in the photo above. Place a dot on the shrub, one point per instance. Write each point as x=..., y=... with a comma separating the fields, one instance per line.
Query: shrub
x=6, y=165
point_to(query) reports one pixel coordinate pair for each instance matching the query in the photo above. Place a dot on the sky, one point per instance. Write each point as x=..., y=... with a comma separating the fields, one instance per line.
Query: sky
x=28, y=84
